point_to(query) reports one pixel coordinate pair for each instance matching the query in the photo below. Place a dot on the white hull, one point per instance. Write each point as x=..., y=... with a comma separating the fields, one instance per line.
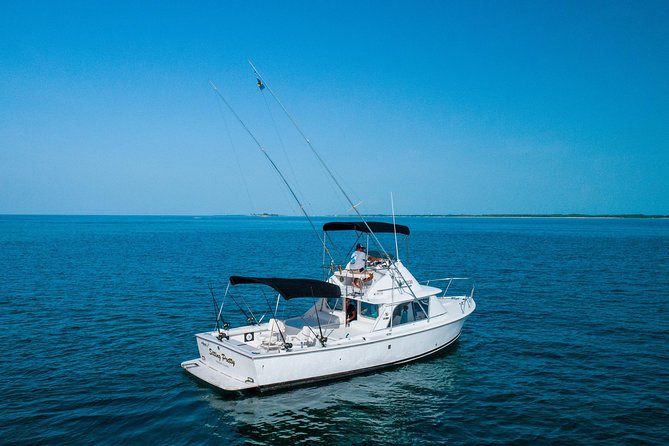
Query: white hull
x=233, y=366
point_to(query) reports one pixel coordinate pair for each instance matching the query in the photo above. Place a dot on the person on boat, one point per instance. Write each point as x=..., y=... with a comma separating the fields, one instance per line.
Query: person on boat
x=359, y=259
x=359, y=283
x=351, y=313
x=358, y=262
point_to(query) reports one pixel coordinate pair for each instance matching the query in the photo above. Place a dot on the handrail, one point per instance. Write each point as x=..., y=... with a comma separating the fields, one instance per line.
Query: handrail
x=427, y=282
x=450, y=282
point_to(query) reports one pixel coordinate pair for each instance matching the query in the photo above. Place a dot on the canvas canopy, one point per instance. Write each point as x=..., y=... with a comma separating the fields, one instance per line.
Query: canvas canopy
x=375, y=226
x=291, y=288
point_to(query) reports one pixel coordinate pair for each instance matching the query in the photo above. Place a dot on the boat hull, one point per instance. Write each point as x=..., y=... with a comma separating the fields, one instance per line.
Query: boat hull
x=228, y=367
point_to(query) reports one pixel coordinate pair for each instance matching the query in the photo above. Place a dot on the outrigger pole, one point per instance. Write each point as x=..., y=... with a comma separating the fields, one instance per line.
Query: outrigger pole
x=315, y=152
x=264, y=152
x=262, y=84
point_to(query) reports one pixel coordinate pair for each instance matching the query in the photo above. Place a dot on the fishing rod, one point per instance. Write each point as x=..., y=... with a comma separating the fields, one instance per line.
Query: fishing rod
x=321, y=338
x=276, y=168
x=262, y=84
x=250, y=318
x=288, y=345
x=211, y=291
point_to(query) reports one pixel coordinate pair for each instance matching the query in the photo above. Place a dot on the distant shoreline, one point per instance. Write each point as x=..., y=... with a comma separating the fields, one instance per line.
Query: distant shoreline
x=528, y=215
x=270, y=215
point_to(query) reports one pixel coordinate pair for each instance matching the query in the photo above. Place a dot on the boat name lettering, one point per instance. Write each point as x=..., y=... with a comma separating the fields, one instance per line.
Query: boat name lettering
x=222, y=357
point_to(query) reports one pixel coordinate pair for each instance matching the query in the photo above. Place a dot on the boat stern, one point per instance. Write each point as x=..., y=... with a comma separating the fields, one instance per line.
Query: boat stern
x=221, y=365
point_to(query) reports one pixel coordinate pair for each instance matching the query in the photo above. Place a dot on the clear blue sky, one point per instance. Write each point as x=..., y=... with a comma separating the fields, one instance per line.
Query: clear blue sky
x=455, y=107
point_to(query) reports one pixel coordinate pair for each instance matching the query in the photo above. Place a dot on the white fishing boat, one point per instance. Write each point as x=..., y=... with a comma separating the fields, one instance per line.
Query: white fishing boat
x=361, y=320
x=367, y=314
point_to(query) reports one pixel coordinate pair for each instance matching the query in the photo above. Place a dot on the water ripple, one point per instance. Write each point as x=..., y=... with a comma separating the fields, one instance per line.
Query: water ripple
x=568, y=345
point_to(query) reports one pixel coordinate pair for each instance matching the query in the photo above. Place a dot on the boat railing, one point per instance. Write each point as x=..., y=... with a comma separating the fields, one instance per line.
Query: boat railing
x=449, y=285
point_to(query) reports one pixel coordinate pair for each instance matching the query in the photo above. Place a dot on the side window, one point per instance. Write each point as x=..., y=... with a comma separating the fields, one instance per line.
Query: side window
x=421, y=309
x=335, y=303
x=369, y=310
x=403, y=314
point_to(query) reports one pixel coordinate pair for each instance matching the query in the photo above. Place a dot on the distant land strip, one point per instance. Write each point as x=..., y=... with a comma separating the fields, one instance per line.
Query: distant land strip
x=528, y=215
x=265, y=214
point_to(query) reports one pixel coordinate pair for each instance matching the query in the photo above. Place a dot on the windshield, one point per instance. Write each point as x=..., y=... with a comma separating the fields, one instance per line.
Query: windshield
x=369, y=310
x=334, y=303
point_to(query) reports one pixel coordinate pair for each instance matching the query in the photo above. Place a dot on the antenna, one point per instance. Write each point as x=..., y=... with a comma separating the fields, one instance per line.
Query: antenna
x=392, y=206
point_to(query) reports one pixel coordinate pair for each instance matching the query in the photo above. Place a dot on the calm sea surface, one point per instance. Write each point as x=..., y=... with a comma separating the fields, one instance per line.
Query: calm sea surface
x=569, y=343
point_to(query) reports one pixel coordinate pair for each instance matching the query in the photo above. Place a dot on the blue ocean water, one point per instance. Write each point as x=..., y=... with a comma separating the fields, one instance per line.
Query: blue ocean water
x=568, y=344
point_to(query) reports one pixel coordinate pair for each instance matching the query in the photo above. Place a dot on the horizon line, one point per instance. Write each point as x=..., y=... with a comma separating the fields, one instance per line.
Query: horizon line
x=267, y=215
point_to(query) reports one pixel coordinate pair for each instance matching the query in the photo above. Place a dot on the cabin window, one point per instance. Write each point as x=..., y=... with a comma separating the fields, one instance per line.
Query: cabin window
x=411, y=311
x=369, y=310
x=403, y=314
x=335, y=303
x=421, y=309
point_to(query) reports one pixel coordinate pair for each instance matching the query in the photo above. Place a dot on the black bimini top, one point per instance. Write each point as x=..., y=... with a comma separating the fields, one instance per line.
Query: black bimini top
x=290, y=288
x=375, y=226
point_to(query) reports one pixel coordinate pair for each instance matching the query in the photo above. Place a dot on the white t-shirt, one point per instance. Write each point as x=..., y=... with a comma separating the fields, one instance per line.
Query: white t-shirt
x=358, y=259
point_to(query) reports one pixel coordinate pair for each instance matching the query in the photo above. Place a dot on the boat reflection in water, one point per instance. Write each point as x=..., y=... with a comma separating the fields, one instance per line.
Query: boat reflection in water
x=378, y=402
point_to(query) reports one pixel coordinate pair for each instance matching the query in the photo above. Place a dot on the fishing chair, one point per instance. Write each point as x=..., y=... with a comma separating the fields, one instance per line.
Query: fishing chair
x=306, y=336
x=272, y=338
